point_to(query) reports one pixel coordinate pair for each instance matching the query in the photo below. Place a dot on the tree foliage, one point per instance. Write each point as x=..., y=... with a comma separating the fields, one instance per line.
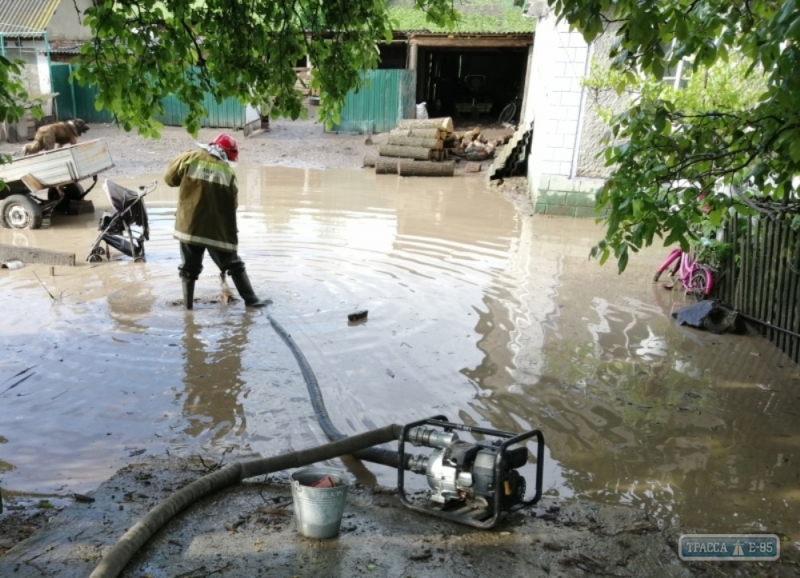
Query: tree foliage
x=145, y=50
x=13, y=97
x=684, y=159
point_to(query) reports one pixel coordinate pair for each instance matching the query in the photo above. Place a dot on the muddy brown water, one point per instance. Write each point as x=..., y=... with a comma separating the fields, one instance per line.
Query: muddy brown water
x=475, y=312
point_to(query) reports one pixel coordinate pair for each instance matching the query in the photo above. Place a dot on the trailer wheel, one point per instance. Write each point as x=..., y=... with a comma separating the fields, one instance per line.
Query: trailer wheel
x=21, y=212
x=73, y=191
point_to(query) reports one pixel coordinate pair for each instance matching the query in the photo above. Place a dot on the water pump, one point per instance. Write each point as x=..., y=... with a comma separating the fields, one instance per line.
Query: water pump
x=474, y=483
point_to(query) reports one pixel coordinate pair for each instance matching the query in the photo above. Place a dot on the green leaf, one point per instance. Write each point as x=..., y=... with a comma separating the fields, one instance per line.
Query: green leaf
x=794, y=150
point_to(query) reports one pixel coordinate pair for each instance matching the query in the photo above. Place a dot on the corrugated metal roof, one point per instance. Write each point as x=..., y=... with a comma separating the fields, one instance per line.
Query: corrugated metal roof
x=26, y=17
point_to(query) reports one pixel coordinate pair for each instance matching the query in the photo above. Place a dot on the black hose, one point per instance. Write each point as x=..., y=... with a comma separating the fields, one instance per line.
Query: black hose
x=376, y=455
x=120, y=554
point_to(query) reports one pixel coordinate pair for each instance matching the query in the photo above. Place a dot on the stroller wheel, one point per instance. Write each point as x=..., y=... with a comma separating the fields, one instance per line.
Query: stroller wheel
x=99, y=251
x=140, y=260
x=95, y=258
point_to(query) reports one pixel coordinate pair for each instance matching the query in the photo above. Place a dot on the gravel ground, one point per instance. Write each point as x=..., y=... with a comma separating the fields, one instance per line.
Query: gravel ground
x=301, y=144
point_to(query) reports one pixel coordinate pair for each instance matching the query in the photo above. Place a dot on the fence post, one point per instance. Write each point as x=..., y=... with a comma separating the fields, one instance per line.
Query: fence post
x=72, y=90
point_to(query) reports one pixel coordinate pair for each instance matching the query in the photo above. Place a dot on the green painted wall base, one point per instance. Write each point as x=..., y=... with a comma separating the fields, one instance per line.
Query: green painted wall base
x=567, y=197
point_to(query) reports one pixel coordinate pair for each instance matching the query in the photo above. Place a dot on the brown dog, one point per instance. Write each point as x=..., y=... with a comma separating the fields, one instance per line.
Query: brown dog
x=59, y=133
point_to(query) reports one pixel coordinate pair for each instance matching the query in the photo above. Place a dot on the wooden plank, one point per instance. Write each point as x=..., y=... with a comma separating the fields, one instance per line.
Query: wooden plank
x=419, y=153
x=734, y=272
x=36, y=255
x=760, y=255
x=779, y=306
x=752, y=234
x=766, y=279
x=793, y=294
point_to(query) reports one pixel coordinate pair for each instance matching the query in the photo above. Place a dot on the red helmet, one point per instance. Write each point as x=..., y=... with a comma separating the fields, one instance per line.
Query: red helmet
x=226, y=143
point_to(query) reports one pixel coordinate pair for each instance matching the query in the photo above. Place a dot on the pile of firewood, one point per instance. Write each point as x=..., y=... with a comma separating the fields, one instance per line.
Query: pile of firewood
x=474, y=146
x=422, y=147
x=416, y=148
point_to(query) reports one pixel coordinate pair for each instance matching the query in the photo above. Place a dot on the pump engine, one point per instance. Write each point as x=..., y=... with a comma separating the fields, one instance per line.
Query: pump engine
x=475, y=483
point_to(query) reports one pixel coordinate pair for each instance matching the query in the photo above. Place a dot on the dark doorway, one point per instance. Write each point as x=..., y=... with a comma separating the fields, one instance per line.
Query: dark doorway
x=471, y=84
x=393, y=55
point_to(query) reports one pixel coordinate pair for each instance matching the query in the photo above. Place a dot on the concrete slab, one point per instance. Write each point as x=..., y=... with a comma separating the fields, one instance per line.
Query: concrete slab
x=35, y=255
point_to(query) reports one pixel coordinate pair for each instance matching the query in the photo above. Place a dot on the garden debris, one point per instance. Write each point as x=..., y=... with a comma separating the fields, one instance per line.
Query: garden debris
x=712, y=316
x=358, y=315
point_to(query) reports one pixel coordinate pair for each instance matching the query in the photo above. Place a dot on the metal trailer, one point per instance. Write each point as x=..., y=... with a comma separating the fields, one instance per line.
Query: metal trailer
x=37, y=184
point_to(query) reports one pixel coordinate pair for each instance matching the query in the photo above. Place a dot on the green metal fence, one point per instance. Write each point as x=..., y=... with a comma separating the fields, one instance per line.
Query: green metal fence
x=386, y=97
x=76, y=101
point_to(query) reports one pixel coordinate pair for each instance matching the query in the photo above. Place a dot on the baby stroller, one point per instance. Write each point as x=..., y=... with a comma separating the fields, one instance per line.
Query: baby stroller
x=127, y=228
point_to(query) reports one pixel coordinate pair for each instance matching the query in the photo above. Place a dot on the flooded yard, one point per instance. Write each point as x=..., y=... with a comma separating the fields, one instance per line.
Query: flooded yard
x=475, y=311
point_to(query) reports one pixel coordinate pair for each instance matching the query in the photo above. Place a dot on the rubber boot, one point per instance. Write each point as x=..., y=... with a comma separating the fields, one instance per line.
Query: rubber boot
x=245, y=289
x=188, y=294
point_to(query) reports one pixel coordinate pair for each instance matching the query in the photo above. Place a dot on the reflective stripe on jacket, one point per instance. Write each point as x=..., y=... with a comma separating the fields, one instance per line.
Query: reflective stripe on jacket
x=207, y=200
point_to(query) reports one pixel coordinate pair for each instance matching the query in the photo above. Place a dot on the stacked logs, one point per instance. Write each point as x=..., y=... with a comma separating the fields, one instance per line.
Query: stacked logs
x=415, y=148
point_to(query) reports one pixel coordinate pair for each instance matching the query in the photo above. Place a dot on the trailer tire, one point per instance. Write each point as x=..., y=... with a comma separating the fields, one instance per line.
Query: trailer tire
x=21, y=212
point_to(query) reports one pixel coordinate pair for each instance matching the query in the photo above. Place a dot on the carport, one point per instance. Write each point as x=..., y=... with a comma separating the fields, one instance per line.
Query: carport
x=470, y=77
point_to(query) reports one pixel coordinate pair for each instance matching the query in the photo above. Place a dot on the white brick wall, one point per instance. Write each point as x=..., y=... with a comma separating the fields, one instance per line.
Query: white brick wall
x=555, y=93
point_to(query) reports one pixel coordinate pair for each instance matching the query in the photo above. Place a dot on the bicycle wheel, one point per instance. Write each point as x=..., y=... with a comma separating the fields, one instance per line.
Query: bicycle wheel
x=507, y=114
x=701, y=283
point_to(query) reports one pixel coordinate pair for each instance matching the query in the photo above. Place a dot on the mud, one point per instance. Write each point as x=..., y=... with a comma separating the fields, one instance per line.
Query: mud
x=249, y=531
x=476, y=310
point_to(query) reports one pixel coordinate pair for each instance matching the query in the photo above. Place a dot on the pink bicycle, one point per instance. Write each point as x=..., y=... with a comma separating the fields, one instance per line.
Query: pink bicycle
x=696, y=279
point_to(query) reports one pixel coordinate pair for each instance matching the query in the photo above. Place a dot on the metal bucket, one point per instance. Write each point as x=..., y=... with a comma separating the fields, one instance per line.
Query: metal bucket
x=318, y=511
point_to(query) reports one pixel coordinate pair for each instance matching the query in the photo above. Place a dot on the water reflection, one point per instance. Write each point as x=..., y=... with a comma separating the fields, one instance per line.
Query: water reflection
x=212, y=376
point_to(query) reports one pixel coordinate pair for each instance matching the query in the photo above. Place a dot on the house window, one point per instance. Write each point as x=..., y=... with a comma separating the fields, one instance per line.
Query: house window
x=677, y=76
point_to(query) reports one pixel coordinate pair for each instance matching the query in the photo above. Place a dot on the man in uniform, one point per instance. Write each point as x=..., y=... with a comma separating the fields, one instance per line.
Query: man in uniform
x=206, y=217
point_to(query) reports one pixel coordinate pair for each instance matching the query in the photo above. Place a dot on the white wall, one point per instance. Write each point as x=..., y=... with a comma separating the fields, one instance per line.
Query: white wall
x=555, y=98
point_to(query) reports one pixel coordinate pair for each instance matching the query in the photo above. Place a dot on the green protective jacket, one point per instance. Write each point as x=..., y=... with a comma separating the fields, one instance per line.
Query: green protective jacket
x=207, y=200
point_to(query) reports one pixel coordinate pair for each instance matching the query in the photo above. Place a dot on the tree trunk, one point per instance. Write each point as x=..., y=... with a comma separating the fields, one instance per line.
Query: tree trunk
x=427, y=133
x=445, y=124
x=385, y=166
x=420, y=153
x=426, y=169
x=413, y=141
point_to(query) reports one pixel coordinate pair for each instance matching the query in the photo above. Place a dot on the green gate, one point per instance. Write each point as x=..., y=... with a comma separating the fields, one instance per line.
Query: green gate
x=386, y=97
x=76, y=101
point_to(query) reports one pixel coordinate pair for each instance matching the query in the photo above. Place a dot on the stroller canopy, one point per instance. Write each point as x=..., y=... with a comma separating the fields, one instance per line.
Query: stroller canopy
x=128, y=206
